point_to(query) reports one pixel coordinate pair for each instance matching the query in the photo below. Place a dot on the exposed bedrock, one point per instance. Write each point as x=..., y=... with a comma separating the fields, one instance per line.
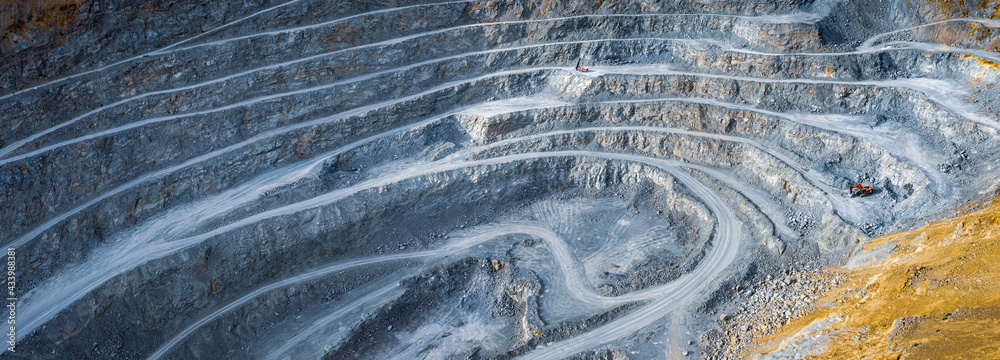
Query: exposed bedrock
x=530, y=195
x=417, y=179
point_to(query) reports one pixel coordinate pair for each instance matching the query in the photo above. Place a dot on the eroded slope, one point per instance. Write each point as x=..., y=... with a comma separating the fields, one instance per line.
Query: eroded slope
x=427, y=179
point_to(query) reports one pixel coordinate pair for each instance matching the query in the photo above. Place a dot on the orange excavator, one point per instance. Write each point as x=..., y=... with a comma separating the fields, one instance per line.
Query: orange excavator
x=861, y=190
x=579, y=68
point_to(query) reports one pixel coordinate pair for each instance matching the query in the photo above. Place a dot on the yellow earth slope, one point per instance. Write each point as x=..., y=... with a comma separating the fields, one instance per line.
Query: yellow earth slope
x=935, y=296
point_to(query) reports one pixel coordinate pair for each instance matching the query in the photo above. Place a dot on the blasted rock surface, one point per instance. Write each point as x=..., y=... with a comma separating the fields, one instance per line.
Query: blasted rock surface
x=416, y=179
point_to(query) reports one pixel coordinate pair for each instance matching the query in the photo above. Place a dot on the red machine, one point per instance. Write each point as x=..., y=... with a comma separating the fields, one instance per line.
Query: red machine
x=861, y=190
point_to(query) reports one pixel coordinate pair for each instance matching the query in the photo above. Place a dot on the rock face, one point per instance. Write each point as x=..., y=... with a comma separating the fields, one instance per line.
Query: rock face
x=930, y=295
x=378, y=179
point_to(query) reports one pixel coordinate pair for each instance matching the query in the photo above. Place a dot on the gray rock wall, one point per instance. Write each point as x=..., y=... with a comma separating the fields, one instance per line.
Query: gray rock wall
x=192, y=180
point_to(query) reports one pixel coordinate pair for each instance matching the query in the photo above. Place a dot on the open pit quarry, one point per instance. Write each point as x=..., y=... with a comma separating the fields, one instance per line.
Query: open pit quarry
x=376, y=179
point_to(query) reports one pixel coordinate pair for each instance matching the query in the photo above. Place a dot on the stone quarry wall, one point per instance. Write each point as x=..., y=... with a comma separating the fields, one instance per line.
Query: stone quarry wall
x=188, y=176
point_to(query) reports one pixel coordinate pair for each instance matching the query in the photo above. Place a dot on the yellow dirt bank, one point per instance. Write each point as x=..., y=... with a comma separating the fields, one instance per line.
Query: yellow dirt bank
x=935, y=296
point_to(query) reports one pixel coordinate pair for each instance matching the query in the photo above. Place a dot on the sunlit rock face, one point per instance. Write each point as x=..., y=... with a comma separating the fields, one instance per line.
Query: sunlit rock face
x=414, y=179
